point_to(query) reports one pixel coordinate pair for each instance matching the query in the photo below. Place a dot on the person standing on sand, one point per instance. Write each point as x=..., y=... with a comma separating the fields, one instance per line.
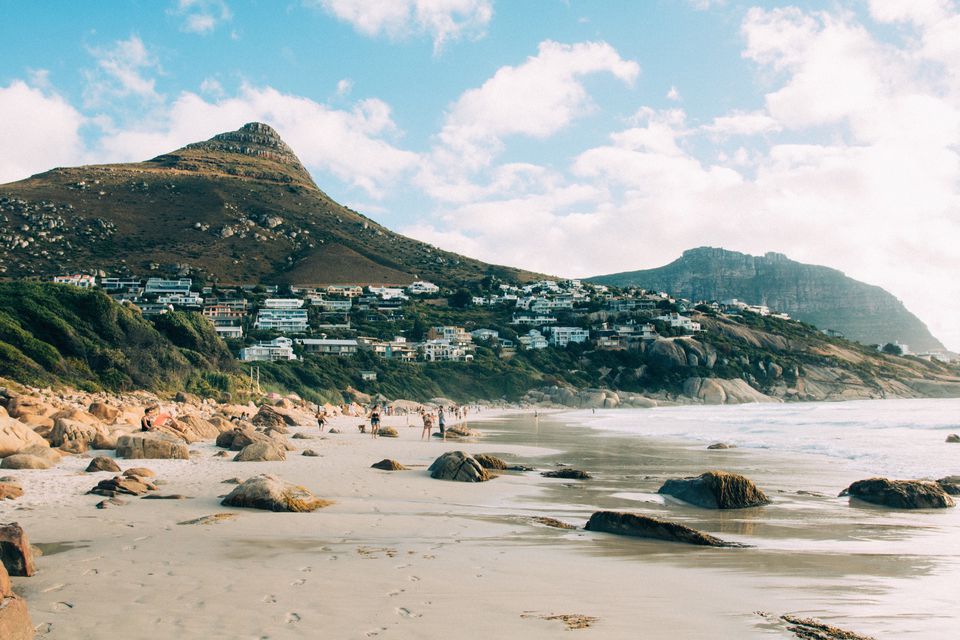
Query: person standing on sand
x=321, y=419
x=375, y=421
x=427, y=426
x=441, y=421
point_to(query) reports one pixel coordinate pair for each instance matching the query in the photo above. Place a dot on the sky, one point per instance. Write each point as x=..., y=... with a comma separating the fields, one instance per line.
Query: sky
x=570, y=137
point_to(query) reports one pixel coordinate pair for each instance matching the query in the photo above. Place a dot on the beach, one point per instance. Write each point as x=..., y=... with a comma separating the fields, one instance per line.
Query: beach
x=401, y=555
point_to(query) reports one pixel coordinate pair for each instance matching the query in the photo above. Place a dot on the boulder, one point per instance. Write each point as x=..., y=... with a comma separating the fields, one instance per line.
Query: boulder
x=567, y=474
x=388, y=465
x=151, y=445
x=280, y=430
x=310, y=453
x=119, y=484
x=639, y=526
x=197, y=427
x=388, y=432
x=106, y=441
x=24, y=407
x=268, y=416
x=458, y=466
x=900, y=494
x=77, y=415
x=15, y=623
x=302, y=436
x=139, y=472
x=721, y=445
x=953, y=438
x=53, y=456
x=15, y=550
x=10, y=491
x=102, y=463
x=270, y=493
x=490, y=462
x=261, y=452
x=104, y=412
x=16, y=436
x=458, y=431
x=187, y=398
x=221, y=424
x=240, y=437
x=716, y=490
x=950, y=484
x=25, y=461
x=72, y=435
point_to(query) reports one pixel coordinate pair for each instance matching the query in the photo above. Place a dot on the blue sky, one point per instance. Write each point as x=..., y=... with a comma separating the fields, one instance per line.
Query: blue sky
x=570, y=137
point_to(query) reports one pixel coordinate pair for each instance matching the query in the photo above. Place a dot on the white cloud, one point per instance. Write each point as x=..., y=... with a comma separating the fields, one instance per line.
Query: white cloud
x=201, y=16
x=122, y=71
x=674, y=95
x=38, y=131
x=442, y=20
x=211, y=87
x=920, y=12
x=741, y=123
x=317, y=133
x=344, y=87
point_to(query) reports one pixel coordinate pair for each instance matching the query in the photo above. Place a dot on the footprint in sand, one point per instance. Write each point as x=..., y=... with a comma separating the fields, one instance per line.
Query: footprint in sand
x=62, y=606
x=306, y=569
x=403, y=612
x=396, y=592
x=54, y=587
x=413, y=578
x=270, y=599
x=298, y=583
x=403, y=566
x=376, y=632
x=293, y=618
x=43, y=628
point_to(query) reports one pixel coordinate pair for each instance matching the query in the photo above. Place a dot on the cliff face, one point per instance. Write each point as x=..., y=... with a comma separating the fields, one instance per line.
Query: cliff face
x=819, y=295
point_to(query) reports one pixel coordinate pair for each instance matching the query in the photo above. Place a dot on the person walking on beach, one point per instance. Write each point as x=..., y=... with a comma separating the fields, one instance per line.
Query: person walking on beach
x=375, y=421
x=427, y=426
x=321, y=419
x=441, y=422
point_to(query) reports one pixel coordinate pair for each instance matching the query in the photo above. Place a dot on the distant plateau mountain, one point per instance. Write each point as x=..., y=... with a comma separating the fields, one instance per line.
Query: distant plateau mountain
x=819, y=295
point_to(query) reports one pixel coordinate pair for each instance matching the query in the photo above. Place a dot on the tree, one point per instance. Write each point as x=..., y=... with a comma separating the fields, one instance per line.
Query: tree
x=892, y=349
x=460, y=299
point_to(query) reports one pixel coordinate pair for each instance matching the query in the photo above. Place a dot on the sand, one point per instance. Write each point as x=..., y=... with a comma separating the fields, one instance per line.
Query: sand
x=400, y=555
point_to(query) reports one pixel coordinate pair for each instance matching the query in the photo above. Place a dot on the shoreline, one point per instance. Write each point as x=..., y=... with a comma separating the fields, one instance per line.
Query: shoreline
x=402, y=555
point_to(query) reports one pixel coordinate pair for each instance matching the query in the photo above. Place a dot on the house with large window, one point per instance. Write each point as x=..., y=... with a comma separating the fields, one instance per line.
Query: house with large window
x=283, y=320
x=159, y=286
x=562, y=336
x=276, y=349
x=330, y=347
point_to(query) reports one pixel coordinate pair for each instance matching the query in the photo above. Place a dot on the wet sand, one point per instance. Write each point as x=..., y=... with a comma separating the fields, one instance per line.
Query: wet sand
x=399, y=555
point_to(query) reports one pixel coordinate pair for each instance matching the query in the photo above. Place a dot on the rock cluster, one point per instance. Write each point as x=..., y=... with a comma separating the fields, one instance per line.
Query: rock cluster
x=458, y=466
x=900, y=494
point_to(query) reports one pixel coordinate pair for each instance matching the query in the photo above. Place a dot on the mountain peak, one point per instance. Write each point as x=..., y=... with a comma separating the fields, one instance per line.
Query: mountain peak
x=241, y=152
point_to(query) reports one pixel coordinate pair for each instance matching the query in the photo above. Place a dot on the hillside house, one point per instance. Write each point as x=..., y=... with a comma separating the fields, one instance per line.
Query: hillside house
x=328, y=346
x=533, y=340
x=675, y=320
x=421, y=287
x=283, y=320
x=455, y=335
x=81, y=280
x=282, y=303
x=159, y=286
x=562, y=336
x=274, y=350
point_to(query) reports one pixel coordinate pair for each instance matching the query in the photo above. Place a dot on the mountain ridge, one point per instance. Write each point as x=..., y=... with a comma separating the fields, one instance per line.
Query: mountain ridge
x=238, y=208
x=820, y=295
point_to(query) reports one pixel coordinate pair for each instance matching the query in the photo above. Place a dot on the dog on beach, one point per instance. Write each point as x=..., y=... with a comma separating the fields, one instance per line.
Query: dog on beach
x=362, y=427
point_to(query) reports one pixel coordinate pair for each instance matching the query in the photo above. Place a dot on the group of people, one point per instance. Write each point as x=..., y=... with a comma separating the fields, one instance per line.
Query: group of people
x=429, y=417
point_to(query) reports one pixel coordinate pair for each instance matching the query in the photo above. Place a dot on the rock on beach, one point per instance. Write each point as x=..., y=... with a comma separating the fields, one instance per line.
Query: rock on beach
x=716, y=490
x=270, y=493
x=458, y=466
x=151, y=446
x=900, y=494
x=640, y=526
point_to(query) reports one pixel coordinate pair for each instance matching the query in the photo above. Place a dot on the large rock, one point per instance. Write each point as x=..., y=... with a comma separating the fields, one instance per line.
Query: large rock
x=72, y=435
x=388, y=465
x=567, y=474
x=15, y=623
x=104, y=412
x=270, y=493
x=151, y=445
x=197, y=427
x=268, y=416
x=950, y=484
x=16, y=436
x=103, y=463
x=240, y=437
x=25, y=461
x=261, y=452
x=900, y=494
x=716, y=490
x=117, y=485
x=720, y=391
x=30, y=410
x=458, y=466
x=953, y=438
x=53, y=456
x=221, y=424
x=106, y=441
x=15, y=550
x=488, y=461
x=10, y=491
x=388, y=432
x=639, y=526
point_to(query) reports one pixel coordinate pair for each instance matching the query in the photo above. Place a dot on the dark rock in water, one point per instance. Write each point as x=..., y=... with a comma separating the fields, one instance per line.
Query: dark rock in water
x=15, y=551
x=270, y=493
x=490, y=462
x=632, y=524
x=950, y=484
x=166, y=496
x=552, y=522
x=567, y=474
x=721, y=445
x=953, y=438
x=388, y=465
x=900, y=494
x=118, y=484
x=458, y=466
x=716, y=490
x=103, y=463
x=811, y=629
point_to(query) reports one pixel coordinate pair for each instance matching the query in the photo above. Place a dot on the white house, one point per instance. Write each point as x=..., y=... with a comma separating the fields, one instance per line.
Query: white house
x=453, y=334
x=283, y=303
x=286, y=320
x=443, y=350
x=81, y=280
x=533, y=340
x=676, y=320
x=229, y=331
x=191, y=299
x=485, y=335
x=388, y=293
x=421, y=287
x=161, y=286
x=531, y=320
x=562, y=336
x=329, y=346
x=276, y=349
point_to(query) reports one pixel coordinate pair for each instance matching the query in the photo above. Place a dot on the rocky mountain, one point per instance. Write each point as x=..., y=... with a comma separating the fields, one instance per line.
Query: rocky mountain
x=819, y=295
x=238, y=208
